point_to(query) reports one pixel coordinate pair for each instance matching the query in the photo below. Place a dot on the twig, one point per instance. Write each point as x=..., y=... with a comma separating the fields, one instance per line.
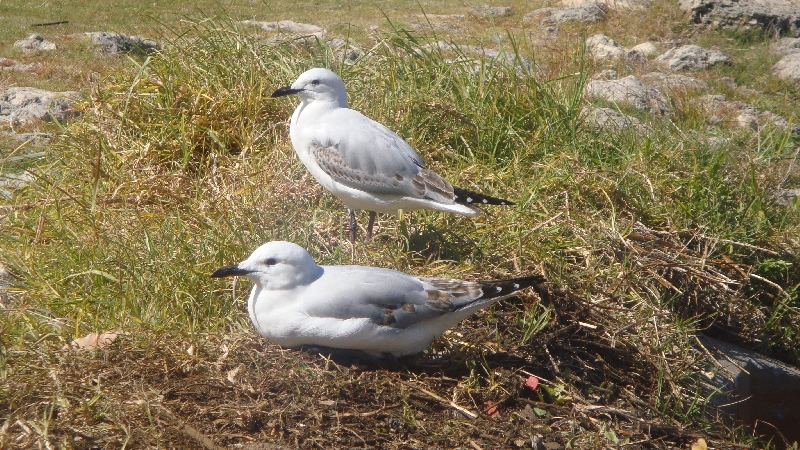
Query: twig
x=467, y=413
x=789, y=170
x=47, y=24
x=475, y=445
x=708, y=353
x=617, y=412
x=188, y=430
x=367, y=414
x=742, y=244
x=540, y=225
x=357, y=435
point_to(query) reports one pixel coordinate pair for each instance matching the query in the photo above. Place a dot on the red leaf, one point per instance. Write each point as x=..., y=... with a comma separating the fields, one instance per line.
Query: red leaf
x=532, y=383
x=491, y=409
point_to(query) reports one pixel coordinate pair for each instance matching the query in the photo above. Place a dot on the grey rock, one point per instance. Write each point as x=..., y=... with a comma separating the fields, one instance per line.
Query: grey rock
x=786, y=46
x=22, y=105
x=497, y=56
x=16, y=66
x=491, y=12
x=5, y=276
x=754, y=388
x=784, y=197
x=788, y=68
x=607, y=118
x=675, y=82
x=608, y=74
x=10, y=182
x=742, y=114
x=782, y=16
x=691, y=57
x=346, y=50
x=113, y=43
x=601, y=46
x=447, y=22
x=35, y=43
x=288, y=27
x=613, y=4
x=33, y=138
x=629, y=90
x=586, y=12
x=716, y=141
x=728, y=81
x=646, y=48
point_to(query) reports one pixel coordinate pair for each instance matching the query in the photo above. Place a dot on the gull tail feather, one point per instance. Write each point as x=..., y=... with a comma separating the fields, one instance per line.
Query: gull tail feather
x=469, y=198
x=495, y=290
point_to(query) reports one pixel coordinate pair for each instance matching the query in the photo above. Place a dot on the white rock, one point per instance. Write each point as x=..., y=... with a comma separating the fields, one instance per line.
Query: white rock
x=613, y=4
x=675, y=82
x=496, y=56
x=786, y=46
x=647, y=48
x=743, y=114
x=16, y=66
x=112, y=43
x=289, y=27
x=788, y=68
x=629, y=90
x=608, y=118
x=601, y=46
x=22, y=105
x=585, y=12
x=490, y=12
x=345, y=49
x=447, y=22
x=691, y=57
x=781, y=16
x=34, y=43
x=608, y=74
x=10, y=182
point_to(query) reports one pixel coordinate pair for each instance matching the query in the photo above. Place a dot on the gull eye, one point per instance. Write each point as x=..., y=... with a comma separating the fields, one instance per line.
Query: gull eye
x=314, y=82
x=270, y=262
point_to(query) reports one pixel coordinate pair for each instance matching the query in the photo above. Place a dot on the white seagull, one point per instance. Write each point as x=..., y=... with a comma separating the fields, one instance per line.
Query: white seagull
x=362, y=162
x=295, y=302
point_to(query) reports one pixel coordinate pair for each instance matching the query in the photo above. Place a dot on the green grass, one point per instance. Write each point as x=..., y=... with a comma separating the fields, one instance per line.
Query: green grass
x=181, y=164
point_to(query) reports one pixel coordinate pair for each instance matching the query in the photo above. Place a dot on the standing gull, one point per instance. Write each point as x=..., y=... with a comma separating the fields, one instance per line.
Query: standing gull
x=379, y=311
x=362, y=162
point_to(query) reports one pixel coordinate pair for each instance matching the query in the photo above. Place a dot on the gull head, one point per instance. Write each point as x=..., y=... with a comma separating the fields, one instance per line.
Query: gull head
x=316, y=85
x=275, y=265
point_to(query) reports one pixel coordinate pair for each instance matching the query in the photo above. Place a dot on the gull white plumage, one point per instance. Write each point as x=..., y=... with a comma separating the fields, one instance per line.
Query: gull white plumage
x=362, y=162
x=379, y=311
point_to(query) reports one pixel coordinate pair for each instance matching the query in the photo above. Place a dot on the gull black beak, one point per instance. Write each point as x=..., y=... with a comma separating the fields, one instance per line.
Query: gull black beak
x=285, y=91
x=230, y=271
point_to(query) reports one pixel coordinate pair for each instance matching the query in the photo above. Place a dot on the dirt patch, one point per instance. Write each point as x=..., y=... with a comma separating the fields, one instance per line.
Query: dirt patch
x=241, y=392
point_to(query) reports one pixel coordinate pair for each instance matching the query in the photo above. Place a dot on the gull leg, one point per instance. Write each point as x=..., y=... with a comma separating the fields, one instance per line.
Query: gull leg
x=372, y=215
x=353, y=225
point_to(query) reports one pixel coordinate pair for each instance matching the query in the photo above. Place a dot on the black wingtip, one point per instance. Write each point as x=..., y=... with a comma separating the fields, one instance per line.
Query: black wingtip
x=499, y=288
x=469, y=198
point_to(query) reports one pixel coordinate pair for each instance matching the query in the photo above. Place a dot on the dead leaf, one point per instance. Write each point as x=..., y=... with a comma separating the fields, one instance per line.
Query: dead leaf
x=231, y=375
x=700, y=445
x=93, y=341
x=491, y=409
x=532, y=383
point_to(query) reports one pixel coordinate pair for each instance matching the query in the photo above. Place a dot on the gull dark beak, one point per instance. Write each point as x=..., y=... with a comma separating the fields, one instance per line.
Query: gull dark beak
x=230, y=271
x=285, y=91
